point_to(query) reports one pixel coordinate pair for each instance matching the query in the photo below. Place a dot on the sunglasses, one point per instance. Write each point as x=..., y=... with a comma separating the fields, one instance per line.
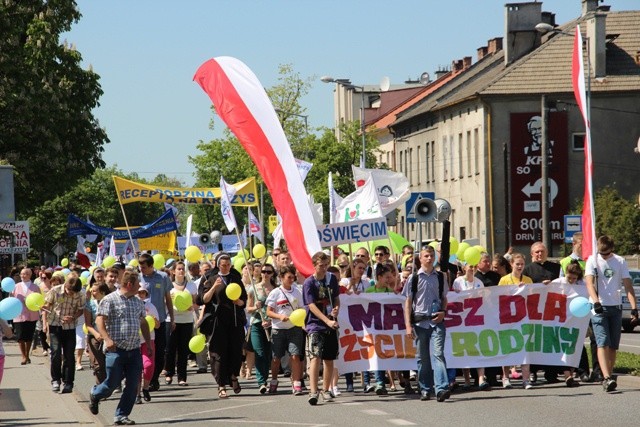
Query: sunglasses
x=267, y=272
x=604, y=253
x=379, y=254
x=343, y=265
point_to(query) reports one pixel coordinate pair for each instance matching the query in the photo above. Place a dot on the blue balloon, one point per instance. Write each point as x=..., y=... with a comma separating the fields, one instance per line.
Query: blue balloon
x=453, y=258
x=8, y=284
x=580, y=307
x=85, y=273
x=66, y=271
x=9, y=308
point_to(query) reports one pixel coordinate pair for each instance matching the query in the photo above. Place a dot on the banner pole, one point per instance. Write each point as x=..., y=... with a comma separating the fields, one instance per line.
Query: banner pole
x=126, y=223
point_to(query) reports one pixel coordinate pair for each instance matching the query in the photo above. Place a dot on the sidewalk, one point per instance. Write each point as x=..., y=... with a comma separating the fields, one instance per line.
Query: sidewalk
x=27, y=399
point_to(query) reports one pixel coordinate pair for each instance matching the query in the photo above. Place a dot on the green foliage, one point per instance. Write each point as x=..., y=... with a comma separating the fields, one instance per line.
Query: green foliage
x=618, y=218
x=48, y=131
x=94, y=198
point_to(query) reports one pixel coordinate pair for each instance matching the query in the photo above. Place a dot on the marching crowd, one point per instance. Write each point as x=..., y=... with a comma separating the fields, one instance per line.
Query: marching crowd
x=136, y=335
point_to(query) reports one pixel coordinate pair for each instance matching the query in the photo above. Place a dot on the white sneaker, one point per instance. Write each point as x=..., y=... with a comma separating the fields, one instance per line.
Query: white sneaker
x=526, y=385
x=336, y=391
x=506, y=383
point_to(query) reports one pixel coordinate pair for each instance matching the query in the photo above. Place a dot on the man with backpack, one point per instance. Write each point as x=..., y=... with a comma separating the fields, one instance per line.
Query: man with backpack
x=424, y=319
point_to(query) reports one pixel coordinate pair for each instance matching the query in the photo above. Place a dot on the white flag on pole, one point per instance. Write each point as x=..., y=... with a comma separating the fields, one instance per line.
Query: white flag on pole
x=303, y=168
x=361, y=204
x=188, y=230
x=112, y=247
x=334, y=200
x=277, y=233
x=254, y=226
x=226, y=194
x=392, y=187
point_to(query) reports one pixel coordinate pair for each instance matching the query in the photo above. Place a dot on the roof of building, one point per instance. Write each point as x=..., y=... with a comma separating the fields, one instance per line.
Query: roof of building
x=547, y=69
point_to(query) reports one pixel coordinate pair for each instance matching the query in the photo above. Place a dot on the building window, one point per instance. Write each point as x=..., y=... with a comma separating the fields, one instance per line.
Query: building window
x=445, y=156
x=401, y=170
x=478, y=230
x=409, y=159
x=577, y=141
x=463, y=233
x=460, y=155
x=469, y=151
x=471, y=221
x=406, y=165
x=418, y=166
x=426, y=162
x=451, y=157
x=476, y=150
x=433, y=161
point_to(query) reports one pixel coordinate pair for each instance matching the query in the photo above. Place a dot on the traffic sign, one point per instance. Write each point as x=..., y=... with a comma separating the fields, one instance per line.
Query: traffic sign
x=410, y=216
x=572, y=225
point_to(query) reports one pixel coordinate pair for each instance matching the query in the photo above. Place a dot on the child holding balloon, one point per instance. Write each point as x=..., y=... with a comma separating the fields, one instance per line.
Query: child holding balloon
x=148, y=363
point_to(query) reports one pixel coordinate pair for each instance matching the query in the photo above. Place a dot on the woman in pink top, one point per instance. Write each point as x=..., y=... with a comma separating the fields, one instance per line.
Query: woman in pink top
x=25, y=323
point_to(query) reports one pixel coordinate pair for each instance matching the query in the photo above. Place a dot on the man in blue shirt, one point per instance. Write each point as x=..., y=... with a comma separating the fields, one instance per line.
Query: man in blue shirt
x=427, y=326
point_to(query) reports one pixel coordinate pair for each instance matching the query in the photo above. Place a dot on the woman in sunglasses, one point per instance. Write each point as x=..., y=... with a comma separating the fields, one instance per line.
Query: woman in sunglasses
x=260, y=326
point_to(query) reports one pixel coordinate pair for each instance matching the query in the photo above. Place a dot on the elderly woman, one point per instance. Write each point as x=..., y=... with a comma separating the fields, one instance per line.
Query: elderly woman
x=225, y=345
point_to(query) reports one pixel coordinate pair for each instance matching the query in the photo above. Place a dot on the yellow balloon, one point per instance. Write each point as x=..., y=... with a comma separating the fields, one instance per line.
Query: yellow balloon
x=453, y=245
x=192, y=254
x=108, y=261
x=298, y=316
x=259, y=250
x=182, y=300
x=34, y=301
x=85, y=329
x=197, y=343
x=480, y=248
x=151, y=322
x=134, y=263
x=64, y=262
x=158, y=261
x=233, y=291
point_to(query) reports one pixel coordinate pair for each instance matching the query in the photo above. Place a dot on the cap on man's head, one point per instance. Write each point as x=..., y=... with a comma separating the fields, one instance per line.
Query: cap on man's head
x=169, y=263
x=119, y=265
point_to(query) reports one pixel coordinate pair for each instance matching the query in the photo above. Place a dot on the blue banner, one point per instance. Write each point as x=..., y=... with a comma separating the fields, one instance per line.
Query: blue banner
x=165, y=224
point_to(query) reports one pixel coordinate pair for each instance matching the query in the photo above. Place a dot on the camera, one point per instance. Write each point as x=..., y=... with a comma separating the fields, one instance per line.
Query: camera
x=597, y=308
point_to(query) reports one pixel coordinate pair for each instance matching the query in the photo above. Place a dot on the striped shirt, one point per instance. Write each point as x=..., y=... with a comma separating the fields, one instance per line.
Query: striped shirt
x=63, y=304
x=122, y=319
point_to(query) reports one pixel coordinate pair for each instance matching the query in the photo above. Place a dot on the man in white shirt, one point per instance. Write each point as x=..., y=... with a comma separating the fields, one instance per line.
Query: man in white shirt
x=605, y=274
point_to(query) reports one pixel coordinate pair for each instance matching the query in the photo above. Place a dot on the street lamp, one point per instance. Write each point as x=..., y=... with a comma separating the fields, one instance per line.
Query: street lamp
x=347, y=84
x=544, y=28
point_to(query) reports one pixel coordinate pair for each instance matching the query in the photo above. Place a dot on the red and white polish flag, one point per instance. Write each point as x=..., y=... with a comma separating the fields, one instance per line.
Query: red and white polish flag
x=243, y=104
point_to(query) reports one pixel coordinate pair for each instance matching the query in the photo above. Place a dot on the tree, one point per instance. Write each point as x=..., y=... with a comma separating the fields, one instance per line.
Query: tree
x=47, y=129
x=94, y=198
x=618, y=218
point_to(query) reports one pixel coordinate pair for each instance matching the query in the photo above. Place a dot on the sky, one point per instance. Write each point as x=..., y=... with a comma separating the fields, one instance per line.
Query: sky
x=147, y=51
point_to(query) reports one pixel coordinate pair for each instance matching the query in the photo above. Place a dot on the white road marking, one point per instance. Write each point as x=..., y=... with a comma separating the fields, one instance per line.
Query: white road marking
x=374, y=412
x=401, y=422
x=255, y=403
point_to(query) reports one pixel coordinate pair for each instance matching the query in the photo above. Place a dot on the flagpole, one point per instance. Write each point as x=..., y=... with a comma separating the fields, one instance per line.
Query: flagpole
x=126, y=223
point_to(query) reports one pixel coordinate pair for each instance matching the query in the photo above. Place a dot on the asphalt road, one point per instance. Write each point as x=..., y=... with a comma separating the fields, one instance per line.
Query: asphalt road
x=548, y=405
x=630, y=342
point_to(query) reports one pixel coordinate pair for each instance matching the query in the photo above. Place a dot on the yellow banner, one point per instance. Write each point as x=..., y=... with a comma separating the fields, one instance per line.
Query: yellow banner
x=161, y=242
x=130, y=191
